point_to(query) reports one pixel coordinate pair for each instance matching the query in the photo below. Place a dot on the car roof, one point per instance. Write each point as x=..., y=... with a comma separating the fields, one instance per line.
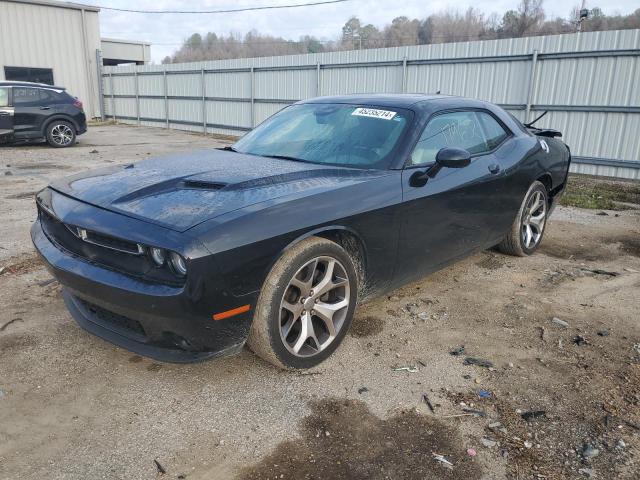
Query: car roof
x=399, y=100
x=29, y=84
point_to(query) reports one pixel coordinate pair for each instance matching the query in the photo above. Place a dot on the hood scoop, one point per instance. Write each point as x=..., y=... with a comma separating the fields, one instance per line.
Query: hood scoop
x=203, y=185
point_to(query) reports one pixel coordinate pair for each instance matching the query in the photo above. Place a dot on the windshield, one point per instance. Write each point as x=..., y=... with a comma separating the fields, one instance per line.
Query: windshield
x=334, y=134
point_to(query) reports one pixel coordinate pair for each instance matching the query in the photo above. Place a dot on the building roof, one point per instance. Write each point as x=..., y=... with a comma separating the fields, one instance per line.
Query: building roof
x=126, y=42
x=56, y=4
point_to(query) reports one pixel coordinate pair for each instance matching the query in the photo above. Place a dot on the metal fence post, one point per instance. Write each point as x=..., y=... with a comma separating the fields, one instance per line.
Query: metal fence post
x=204, y=102
x=135, y=76
x=166, y=97
x=100, y=83
x=253, y=100
x=404, y=74
x=532, y=81
x=113, y=97
x=318, y=79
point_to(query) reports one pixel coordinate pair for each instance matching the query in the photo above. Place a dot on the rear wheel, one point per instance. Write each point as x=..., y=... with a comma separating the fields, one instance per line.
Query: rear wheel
x=306, y=305
x=61, y=134
x=528, y=227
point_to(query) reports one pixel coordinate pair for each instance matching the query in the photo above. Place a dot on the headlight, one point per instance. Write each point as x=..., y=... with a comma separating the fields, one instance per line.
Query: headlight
x=179, y=264
x=158, y=255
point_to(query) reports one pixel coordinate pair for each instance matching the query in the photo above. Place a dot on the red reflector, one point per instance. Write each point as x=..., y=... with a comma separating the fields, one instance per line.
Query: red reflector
x=231, y=313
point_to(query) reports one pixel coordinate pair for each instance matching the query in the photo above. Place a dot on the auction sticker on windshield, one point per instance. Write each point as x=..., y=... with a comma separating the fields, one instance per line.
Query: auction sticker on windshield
x=375, y=113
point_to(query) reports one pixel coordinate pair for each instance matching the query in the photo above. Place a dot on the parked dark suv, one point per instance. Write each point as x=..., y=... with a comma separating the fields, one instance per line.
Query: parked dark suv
x=31, y=111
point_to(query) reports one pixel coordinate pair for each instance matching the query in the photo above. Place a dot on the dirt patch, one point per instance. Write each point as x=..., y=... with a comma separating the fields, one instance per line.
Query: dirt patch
x=21, y=196
x=15, y=342
x=41, y=166
x=491, y=262
x=21, y=264
x=342, y=439
x=630, y=245
x=588, y=192
x=366, y=326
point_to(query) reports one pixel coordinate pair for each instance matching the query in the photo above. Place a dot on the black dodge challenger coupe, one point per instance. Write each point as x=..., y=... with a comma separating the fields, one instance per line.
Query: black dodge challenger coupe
x=274, y=240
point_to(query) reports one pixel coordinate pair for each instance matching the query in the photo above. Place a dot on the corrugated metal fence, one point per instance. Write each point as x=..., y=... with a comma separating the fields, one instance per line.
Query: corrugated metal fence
x=589, y=82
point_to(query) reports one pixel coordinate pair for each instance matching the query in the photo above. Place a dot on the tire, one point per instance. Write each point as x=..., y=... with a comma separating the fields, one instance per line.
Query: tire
x=281, y=315
x=61, y=134
x=528, y=227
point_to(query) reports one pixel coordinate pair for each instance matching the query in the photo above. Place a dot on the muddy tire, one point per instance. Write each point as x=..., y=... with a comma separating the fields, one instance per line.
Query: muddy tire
x=528, y=227
x=306, y=305
x=61, y=134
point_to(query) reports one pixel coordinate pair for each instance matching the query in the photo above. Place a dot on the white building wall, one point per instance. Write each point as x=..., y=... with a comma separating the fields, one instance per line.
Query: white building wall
x=51, y=35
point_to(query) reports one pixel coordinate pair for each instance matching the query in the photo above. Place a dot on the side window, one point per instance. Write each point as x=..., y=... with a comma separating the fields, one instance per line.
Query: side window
x=4, y=97
x=454, y=129
x=49, y=97
x=493, y=131
x=476, y=132
x=25, y=97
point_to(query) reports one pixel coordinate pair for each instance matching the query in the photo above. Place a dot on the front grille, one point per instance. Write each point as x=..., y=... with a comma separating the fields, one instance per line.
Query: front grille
x=107, y=318
x=106, y=251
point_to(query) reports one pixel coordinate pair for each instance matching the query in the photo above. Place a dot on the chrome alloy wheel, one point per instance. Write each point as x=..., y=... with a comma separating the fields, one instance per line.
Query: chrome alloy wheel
x=314, y=306
x=61, y=135
x=533, y=220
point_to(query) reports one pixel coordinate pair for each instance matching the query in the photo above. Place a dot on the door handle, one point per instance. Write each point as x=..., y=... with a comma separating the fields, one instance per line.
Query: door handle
x=494, y=168
x=45, y=108
x=4, y=114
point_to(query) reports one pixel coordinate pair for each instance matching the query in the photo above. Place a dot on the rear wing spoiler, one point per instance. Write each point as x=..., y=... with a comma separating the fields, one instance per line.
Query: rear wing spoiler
x=542, y=132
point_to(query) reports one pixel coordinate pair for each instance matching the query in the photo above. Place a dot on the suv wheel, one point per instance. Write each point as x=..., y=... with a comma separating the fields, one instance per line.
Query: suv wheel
x=306, y=305
x=61, y=134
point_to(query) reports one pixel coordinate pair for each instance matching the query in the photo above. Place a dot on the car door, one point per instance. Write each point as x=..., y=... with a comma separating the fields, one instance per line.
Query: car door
x=6, y=114
x=455, y=212
x=28, y=113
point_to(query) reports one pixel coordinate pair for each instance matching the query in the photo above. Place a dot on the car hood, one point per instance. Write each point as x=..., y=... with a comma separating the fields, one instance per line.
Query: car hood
x=181, y=191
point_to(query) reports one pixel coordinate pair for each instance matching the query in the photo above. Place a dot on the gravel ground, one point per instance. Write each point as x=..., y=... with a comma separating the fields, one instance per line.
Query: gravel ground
x=559, y=401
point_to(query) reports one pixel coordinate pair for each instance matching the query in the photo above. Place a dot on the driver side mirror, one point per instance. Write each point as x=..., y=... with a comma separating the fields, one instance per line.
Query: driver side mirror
x=448, y=157
x=453, y=157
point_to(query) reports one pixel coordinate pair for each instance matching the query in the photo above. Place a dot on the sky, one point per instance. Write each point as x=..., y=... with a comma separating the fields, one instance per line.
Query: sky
x=166, y=32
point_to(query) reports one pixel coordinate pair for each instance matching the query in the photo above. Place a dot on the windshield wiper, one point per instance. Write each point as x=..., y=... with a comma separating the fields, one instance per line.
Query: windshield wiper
x=286, y=157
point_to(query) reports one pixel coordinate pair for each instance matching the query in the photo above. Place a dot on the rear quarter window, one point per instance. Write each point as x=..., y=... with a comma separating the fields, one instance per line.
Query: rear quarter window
x=49, y=97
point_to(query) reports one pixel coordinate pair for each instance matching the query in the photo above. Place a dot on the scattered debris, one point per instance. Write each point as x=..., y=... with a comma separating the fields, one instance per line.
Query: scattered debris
x=476, y=413
x=560, y=323
x=46, y=282
x=589, y=472
x=410, y=369
x=457, y=351
x=425, y=399
x=440, y=458
x=3, y=327
x=2, y=269
x=531, y=414
x=543, y=334
x=161, y=469
x=423, y=316
x=599, y=271
x=579, y=340
x=471, y=452
x=602, y=214
x=636, y=348
x=94, y=151
x=603, y=333
x=478, y=361
x=630, y=270
x=488, y=442
x=621, y=444
x=589, y=451
x=528, y=444
x=362, y=390
x=484, y=394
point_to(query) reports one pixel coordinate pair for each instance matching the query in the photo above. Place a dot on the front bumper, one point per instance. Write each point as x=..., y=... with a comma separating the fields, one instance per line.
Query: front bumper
x=167, y=323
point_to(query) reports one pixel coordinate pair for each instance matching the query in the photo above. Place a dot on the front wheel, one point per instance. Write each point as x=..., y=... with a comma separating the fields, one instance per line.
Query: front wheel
x=61, y=134
x=528, y=227
x=306, y=305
